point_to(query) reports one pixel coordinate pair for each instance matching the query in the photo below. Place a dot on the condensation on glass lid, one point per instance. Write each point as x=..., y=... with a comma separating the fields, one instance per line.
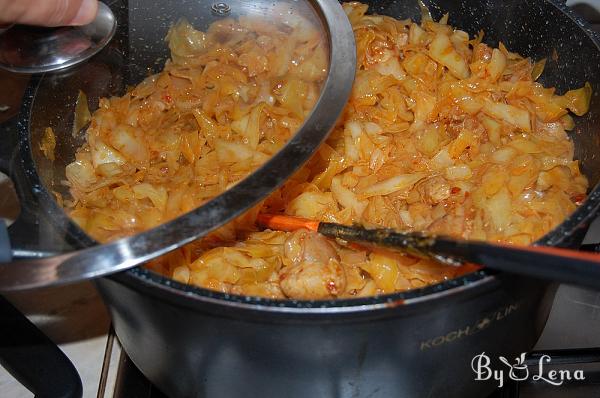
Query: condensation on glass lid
x=229, y=98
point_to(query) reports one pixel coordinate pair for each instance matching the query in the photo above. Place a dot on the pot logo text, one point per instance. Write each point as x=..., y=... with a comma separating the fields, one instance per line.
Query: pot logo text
x=469, y=330
x=519, y=371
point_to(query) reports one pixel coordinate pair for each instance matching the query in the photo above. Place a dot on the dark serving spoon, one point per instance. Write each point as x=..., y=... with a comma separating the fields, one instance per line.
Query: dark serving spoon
x=561, y=265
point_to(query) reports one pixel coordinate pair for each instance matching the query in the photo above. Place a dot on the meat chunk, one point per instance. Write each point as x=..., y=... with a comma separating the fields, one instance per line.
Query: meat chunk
x=304, y=245
x=315, y=271
x=313, y=280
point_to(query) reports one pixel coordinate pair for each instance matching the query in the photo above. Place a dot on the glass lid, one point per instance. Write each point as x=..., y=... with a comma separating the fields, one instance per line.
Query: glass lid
x=193, y=115
x=29, y=49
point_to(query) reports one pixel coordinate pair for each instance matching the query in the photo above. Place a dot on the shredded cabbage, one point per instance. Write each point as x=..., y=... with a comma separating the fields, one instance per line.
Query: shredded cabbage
x=442, y=134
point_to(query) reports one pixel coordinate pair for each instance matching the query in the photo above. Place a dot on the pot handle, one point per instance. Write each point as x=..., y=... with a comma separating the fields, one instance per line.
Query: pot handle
x=590, y=247
x=33, y=359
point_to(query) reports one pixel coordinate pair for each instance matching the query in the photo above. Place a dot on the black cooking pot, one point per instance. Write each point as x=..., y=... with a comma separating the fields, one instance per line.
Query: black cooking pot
x=193, y=342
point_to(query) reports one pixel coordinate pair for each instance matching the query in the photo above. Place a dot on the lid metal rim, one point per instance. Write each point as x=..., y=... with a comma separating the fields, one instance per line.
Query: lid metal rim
x=131, y=251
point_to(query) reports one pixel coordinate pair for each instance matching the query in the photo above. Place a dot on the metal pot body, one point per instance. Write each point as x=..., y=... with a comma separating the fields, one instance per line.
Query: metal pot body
x=403, y=350
x=192, y=347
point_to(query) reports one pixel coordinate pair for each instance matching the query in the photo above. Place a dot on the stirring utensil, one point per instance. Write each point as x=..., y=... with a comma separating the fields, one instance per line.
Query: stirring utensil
x=29, y=49
x=561, y=265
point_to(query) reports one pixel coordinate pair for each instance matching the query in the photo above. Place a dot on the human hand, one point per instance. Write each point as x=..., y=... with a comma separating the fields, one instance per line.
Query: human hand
x=48, y=12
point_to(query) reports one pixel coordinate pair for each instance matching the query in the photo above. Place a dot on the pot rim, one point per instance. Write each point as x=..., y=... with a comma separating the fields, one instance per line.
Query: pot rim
x=143, y=279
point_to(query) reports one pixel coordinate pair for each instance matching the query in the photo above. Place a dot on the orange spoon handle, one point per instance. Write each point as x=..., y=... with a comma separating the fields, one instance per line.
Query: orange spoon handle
x=285, y=223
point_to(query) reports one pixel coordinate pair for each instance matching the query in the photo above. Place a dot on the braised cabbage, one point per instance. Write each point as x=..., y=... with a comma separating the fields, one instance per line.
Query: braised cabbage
x=442, y=133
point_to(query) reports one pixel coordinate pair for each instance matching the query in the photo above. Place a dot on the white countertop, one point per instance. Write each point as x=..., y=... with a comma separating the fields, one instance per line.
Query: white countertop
x=73, y=317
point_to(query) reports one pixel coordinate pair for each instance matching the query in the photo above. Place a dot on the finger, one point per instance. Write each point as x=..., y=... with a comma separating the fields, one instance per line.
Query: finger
x=48, y=12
